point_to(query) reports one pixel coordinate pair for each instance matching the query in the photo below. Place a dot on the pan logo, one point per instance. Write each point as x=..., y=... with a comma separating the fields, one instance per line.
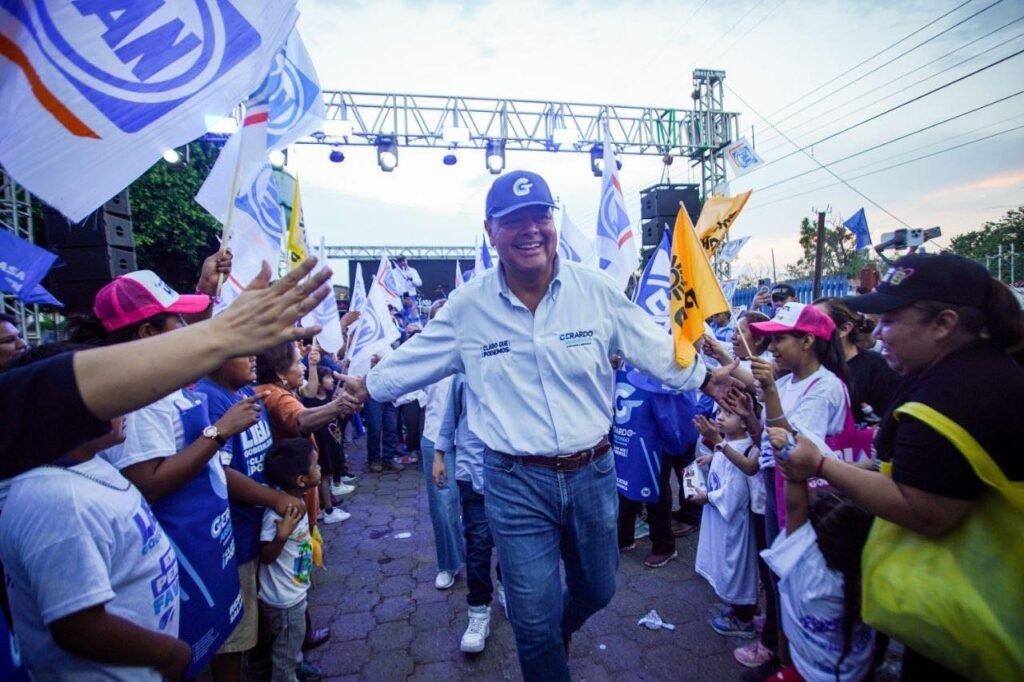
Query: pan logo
x=136, y=60
x=291, y=94
x=260, y=202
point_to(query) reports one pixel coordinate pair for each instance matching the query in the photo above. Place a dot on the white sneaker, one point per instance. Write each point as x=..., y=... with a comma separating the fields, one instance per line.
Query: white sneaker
x=444, y=580
x=499, y=591
x=475, y=637
x=341, y=489
x=334, y=516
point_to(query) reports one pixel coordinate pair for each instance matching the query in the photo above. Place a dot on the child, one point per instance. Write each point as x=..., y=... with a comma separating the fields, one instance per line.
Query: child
x=286, y=554
x=726, y=551
x=93, y=581
x=818, y=565
x=331, y=448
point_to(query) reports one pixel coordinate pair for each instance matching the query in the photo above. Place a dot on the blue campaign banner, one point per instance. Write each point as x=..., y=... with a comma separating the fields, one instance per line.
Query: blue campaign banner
x=22, y=266
x=649, y=421
x=197, y=521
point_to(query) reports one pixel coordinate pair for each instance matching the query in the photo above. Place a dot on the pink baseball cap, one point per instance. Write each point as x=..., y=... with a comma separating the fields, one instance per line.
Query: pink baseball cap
x=139, y=295
x=797, y=317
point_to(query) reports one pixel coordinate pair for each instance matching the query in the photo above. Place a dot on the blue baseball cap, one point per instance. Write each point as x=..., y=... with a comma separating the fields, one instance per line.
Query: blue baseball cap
x=517, y=189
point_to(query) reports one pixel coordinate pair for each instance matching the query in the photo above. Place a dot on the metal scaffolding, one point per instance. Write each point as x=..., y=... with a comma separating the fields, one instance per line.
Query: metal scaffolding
x=16, y=218
x=411, y=252
x=456, y=121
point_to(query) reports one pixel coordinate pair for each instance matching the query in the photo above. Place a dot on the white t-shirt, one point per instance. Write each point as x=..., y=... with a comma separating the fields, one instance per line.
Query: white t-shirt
x=819, y=409
x=811, y=600
x=726, y=549
x=153, y=431
x=74, y=538
x=284, y=582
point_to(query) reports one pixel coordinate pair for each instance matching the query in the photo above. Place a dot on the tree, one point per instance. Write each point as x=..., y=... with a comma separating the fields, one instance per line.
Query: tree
x=173, y=234
x=839, y=257
x=986, y=241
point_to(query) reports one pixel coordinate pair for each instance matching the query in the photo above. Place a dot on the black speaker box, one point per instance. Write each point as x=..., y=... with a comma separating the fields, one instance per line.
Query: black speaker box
x=102, y=228
x=663, y=200
x=93, y=263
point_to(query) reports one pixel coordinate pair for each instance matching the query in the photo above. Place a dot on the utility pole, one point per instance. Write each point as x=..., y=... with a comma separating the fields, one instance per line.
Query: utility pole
x=819, y=252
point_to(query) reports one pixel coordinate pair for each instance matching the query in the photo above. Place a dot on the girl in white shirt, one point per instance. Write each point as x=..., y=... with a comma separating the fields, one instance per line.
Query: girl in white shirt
x=726, y=550
x=817, y=558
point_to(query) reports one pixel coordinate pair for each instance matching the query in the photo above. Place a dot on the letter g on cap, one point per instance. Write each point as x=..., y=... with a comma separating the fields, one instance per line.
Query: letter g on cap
x=522, y=187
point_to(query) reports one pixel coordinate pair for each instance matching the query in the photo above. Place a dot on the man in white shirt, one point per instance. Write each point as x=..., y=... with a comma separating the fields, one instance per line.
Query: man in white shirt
x=533, y=338
x=407, y=277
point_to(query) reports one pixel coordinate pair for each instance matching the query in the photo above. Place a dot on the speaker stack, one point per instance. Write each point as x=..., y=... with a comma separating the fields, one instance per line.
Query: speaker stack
x=92, y=252
x=659, y=205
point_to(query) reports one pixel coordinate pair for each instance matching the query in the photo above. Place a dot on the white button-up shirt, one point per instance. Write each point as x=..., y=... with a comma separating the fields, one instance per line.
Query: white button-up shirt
x=539, y=384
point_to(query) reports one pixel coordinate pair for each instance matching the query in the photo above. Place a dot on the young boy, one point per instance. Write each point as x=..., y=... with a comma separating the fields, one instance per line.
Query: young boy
x=286, y=554
x=92, y=581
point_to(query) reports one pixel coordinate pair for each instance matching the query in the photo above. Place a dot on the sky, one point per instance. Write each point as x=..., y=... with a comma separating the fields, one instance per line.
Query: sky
x=781, y=58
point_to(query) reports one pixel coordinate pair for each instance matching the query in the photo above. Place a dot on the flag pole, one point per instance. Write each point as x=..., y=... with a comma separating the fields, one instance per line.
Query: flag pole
x=225, y=235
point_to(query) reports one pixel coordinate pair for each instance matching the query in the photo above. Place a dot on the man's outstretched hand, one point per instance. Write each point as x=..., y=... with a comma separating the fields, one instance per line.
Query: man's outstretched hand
x=722, y=381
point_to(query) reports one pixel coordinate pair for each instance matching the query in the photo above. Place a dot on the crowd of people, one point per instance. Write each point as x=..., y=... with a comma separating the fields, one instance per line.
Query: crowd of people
x=848, y=464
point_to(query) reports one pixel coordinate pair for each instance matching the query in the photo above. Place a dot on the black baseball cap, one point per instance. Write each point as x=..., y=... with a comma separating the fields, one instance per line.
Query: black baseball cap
x=942, y=277
x=783, y=291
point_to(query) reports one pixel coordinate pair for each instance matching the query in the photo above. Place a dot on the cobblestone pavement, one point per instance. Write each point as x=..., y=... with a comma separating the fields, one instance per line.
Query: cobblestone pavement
x=388, y=622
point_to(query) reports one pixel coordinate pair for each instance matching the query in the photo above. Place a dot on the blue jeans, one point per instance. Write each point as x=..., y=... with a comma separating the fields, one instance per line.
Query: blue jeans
x=479, y=546
x=444, y=509
x=381, y=424
x=538, y=517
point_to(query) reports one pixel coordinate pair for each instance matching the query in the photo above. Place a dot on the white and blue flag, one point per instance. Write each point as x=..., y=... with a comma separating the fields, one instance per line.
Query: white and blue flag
x=653, y=291
x=616, y=251
x=573, y=245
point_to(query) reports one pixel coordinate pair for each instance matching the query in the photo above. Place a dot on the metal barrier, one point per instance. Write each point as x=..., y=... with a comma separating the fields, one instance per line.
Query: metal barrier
x=837, y=285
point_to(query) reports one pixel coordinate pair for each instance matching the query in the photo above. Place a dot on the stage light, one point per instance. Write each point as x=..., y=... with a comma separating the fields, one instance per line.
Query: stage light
x=387, y=153
x=495, y=159
x=278, y=158
x=450, y=159
x=337, y=156
x=667, y=159
x=597, y=160
x=172, y=156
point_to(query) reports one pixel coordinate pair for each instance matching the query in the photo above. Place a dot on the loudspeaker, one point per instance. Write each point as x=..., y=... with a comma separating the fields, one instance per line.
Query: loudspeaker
x=92, y=252
x=652, y=230
x=663, y=200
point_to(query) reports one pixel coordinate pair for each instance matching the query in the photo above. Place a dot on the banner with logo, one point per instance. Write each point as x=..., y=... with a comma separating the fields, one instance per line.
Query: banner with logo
x=573, y=245
x=695, y=293
x=256, y=234
x=387, y=282
x=292, y=90
x=742, y=157
x=23, y=266
x=732, y=248
x=652, y=292
x=374, y=332
x=358, y=298
x=298, y=246
x=326, y=314
x=616, y=251
x=717, y=216
x=94, y=93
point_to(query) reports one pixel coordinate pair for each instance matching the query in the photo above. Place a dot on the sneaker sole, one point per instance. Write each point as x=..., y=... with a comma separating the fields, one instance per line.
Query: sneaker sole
x=472, y=649
x=735, y=633
x=662, y=563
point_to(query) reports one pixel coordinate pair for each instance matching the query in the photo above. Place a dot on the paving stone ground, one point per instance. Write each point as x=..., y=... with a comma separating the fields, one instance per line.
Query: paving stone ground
x=389, y=623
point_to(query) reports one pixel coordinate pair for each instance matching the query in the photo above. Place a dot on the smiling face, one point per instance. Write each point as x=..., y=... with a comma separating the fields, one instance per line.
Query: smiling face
x=909, y=340
x=739, y=332
x=790, y=350
x=526, y=242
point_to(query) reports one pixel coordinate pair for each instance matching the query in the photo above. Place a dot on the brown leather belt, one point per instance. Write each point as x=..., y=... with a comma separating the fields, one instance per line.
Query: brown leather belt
x=571, y=462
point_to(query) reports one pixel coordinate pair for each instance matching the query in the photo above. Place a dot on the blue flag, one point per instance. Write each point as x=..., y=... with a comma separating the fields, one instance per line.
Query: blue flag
x=858, y=224
x=652, y=292
x=41, y=296
x=22, y=265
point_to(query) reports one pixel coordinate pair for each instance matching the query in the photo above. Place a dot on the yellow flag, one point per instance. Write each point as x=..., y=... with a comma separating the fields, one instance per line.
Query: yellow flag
x=717, y=216
x=298, y=250
x=695, y=294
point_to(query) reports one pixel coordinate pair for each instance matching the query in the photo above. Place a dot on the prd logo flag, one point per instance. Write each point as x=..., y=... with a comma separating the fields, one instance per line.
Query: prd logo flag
x=716, y=217
x=125, y=80
x=695, y=293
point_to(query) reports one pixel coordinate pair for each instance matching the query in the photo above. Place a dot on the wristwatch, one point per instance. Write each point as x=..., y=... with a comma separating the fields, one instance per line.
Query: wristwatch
x=707, y=378
x=213, y=433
